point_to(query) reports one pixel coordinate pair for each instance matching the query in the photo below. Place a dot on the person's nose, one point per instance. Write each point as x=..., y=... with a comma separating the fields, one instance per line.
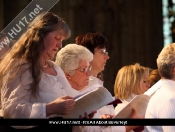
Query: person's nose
x=59, y=44
x=106, y=56
x=148, y=84
x=88, y=73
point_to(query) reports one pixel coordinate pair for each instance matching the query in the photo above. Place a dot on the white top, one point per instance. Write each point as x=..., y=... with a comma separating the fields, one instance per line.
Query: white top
x=161, y=105
x=17, y=101
x=109, y=109
x=124, y=103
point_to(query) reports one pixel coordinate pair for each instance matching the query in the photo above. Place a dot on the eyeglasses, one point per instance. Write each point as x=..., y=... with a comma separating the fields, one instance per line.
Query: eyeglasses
x=84, y=69
x=104, y=52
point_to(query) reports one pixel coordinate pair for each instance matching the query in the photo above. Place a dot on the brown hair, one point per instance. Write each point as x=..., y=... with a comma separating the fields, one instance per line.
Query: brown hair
x=28, y=48
x=154, y=77
x=92, y=41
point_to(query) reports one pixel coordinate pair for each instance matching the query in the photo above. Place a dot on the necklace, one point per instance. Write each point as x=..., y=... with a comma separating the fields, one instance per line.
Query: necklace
x=45, y=65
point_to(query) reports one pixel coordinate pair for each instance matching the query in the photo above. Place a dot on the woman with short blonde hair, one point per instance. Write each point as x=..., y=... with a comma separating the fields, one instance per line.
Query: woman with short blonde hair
x=129, y=81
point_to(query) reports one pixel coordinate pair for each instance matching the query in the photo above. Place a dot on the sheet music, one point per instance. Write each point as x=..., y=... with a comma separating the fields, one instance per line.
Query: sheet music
x=90, y=101
x=139, y=103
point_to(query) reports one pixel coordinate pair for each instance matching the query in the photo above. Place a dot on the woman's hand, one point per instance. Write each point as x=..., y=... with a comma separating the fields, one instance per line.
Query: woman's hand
x=133, y=116
x=86, y=116
x=60, y=106
x=106, y=116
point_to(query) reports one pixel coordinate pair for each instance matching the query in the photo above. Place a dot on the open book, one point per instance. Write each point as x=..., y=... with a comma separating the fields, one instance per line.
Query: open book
x=90, y=100
x=139, y=103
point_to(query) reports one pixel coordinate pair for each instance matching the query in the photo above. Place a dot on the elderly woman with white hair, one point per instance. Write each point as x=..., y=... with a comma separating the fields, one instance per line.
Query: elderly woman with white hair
x=166, y=91
x=75, y=62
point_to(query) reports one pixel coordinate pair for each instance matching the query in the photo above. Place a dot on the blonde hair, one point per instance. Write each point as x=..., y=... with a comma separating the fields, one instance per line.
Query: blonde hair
x=128, y=80
x=27, y=49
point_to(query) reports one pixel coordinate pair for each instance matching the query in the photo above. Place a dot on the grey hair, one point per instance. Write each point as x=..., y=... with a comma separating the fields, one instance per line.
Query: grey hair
x=69, y=57
x=166, y=61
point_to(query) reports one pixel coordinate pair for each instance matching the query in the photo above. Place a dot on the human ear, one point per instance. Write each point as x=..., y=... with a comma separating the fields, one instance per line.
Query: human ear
x=68, y=76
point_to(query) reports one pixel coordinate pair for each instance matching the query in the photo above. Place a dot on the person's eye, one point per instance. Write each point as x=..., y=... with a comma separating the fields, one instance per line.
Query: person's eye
x=57, y=38
x=84, y=69
x=90, y=68
x=103, y=52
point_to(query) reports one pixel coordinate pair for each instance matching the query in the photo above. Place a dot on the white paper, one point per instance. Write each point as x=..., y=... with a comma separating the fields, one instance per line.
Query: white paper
x=154, y=88
x=90, y=101
x=88, y=90
x=139, y=103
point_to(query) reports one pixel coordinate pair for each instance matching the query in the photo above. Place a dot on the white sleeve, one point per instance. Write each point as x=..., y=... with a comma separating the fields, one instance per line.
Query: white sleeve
x=168, y=112
x=92, y=129
x=16, y=97
x=118, y=129
x=104, y=129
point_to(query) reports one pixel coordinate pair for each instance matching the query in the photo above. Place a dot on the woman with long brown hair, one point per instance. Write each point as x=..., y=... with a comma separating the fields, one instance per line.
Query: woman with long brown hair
x=32, y=85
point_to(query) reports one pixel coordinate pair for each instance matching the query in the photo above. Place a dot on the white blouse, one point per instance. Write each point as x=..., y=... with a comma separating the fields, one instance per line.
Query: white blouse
x=109, y=109
x=17, y=101
x=124, y=103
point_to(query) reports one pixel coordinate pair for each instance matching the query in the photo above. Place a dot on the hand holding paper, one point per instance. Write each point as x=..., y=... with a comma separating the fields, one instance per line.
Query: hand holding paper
x=139, y=103
x=90, y=101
